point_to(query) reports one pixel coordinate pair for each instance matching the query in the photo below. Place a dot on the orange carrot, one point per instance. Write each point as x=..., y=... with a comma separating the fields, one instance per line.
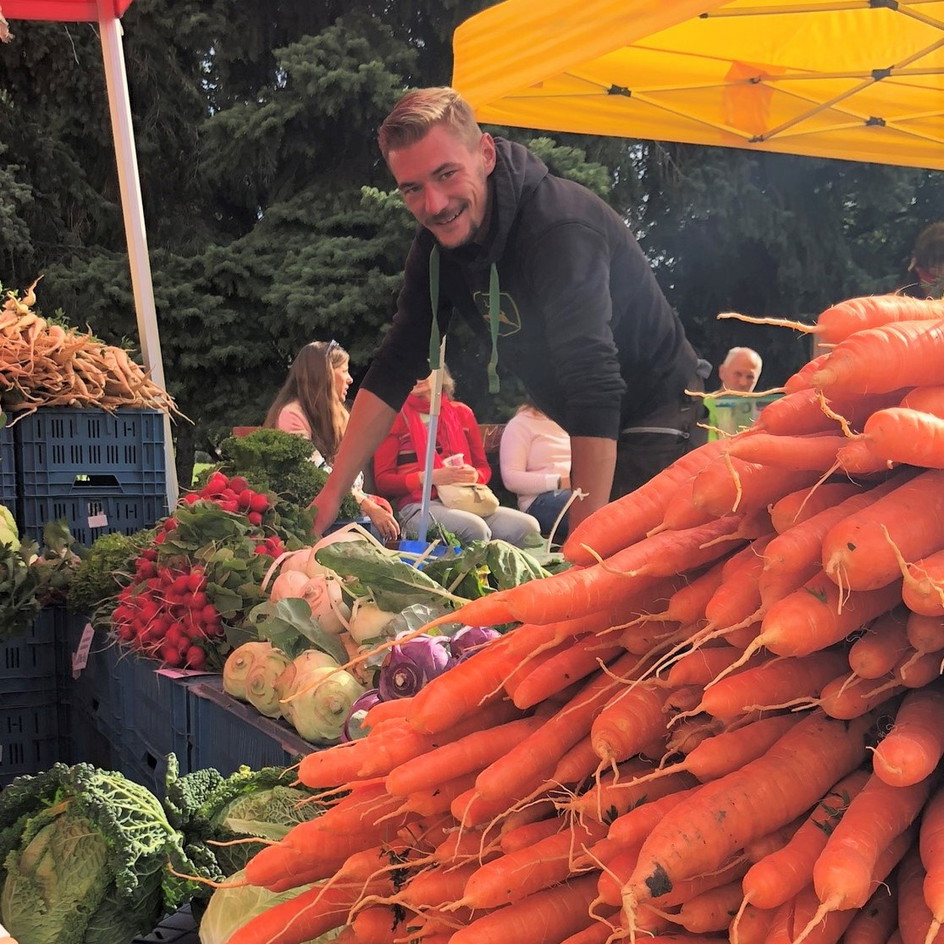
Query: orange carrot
x=781, y=875
x=914, y=746
x=466, y=755
x=848, y=696
x=931, y=848
x=899, y=434
x=723, y=753
x=628, y=519
x=700, y=666
x=773, y=683
x=574, y=592
x=926, y=633
x=521, y=837
x=563, y=669
x=628, y=721
x=548, y=915
x=737, y=600
x=515, y=875
x=793, y=557
x=376, y=923
x=515, y=775
x=687, y=604
x=882, y=359
x=861, y=552
x=842, y=874
x=700, y=835
x=598, y=931
x=881, y=646
x=852, y=315
x=732, y=485
x=819, y=614
x=306, y=916
x=915, y=920
x=796, y=507
x=711, y=910
x=874, y=923
x=923, y=587
x=858, y=458
x=616, y=794
x=816, y=451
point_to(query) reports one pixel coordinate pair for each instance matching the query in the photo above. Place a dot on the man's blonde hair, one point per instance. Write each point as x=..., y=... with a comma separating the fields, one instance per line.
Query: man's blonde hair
x=418, y=111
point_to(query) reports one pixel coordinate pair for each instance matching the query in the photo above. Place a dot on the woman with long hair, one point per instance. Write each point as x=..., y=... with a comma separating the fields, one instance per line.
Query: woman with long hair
x=312, y=403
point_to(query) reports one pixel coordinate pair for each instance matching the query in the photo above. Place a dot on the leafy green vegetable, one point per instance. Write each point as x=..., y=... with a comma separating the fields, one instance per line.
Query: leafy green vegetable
x=84, y=856
x=483, y=567
x=275, y=461
x=103, y=570
x=230, y=908
x=289, y=626
x=20, y=590
x=368, y=570
x=211, y=809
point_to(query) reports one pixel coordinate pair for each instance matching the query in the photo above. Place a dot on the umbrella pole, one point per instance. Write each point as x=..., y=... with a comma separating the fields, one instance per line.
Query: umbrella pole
x=435, y=404
x=116, y=80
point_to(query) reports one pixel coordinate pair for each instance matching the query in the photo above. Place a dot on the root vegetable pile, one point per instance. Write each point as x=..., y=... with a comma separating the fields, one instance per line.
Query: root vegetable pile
x=723, y=723
x=46, y=364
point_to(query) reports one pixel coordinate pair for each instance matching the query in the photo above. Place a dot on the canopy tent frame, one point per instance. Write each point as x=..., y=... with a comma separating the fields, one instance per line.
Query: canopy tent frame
x=851, y=79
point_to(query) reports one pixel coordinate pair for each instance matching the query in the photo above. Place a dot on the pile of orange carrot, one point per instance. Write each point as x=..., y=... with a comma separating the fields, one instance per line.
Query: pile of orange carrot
x=724, y=723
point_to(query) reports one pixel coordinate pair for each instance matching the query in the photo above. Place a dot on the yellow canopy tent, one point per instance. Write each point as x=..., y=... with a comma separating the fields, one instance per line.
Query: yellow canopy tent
x=861, y=80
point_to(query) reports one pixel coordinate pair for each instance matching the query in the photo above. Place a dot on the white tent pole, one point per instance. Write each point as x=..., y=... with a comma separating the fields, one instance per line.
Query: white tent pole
x=435, y=404
x=129, y=183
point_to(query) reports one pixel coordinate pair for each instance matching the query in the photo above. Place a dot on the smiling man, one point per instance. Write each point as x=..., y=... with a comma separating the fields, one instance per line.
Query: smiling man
x=553, y=281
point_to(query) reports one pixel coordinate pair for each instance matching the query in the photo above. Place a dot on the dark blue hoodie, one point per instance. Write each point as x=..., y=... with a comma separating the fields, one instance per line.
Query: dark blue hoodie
x=583, y=322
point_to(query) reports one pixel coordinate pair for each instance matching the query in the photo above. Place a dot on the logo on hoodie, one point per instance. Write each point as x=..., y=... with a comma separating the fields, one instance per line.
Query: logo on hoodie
x=509, y=318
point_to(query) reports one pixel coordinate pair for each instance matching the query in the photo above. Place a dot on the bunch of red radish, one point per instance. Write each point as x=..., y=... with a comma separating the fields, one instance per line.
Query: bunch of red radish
x=166, y=613
x=233, y=495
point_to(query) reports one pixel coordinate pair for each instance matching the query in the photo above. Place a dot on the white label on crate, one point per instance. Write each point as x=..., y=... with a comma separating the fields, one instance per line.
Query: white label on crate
x=98, y=521
x=81, y=654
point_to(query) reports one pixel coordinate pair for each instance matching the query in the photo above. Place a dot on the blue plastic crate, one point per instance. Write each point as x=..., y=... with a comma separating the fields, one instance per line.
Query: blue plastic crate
x=92, y=737
x=32, y=660
x=8, y=491
x=227, y=733
x=90, y=515
x=75, y=450
x=154, y=713
x=31, y=732
x=94, y=690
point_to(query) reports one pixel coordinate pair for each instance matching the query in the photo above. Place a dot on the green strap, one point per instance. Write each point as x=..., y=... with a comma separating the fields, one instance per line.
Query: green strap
x=494, y=312
x=434, y=360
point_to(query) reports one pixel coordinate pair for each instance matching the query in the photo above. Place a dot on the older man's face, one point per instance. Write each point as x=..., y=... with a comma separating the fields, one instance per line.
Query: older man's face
x=740, y=374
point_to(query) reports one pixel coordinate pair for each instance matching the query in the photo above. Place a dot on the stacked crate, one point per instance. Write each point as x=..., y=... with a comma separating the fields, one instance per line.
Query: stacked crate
x=101, y=472
x=33, y=724
x=7, y=469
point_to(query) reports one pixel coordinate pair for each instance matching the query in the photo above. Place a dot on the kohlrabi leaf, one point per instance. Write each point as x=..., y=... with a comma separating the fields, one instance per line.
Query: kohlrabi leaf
x=368, y=570
x=289, y=626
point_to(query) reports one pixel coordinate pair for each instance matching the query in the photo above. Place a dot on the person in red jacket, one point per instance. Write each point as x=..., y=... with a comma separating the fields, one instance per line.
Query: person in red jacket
x=399, y=469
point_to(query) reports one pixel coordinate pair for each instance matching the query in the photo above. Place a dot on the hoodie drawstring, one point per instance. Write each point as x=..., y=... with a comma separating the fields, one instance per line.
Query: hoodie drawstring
x=494, y=312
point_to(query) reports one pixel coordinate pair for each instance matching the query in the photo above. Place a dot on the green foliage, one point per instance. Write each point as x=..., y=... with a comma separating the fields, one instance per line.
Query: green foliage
x=21, y=593
x=275, y=461
x=210, y=809
x=83, y=858
x=103, y=570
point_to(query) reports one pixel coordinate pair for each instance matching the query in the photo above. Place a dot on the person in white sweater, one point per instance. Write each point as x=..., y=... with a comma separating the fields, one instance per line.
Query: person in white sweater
x=534, y=458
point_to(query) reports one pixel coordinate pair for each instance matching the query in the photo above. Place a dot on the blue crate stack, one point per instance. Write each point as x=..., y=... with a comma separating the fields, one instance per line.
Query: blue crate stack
x=33, y=723
x=7, y=469
x=101, y=472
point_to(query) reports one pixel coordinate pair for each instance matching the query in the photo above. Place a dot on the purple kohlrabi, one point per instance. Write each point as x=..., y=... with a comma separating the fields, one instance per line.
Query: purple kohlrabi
x=410, y=665
x=470, y=639
x=352, y=726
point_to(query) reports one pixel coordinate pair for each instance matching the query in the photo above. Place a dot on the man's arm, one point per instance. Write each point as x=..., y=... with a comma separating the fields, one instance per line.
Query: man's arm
x=369, y=423
x=593, y=462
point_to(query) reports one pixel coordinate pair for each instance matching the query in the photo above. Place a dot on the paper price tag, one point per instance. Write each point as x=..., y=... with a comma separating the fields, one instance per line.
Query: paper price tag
x=81, y=654
x=98, y=521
